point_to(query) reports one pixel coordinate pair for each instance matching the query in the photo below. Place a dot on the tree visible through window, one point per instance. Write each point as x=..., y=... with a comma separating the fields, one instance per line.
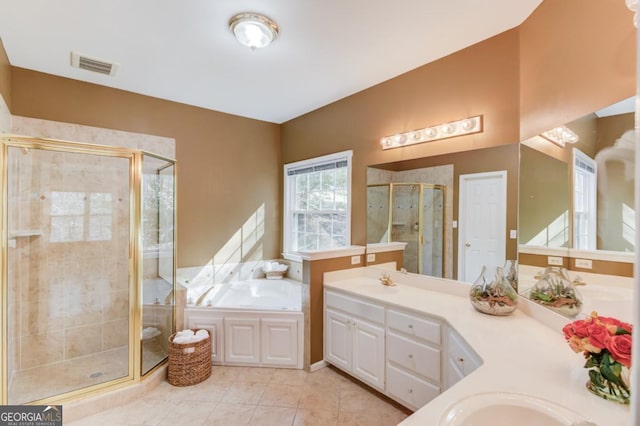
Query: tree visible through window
x=317, y=203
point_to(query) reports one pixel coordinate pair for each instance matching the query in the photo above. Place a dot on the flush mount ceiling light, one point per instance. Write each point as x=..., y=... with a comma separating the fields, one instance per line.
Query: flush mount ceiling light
x=561, y=136
x=466, y=126
x=253, y=30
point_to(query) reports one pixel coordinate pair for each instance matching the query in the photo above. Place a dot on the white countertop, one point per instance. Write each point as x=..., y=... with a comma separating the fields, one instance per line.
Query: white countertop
x=522, y=353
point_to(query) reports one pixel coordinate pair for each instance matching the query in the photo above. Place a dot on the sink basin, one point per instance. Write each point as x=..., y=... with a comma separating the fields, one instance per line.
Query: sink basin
x=503, y=408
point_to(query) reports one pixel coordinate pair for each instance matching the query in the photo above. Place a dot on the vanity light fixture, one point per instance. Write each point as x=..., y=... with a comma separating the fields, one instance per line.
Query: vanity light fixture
x=561, y=136
x=253, y=29
x=466, y=126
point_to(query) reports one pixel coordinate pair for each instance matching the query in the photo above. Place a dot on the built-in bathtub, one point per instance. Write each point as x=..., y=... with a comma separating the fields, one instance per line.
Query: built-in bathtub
x=255, y=322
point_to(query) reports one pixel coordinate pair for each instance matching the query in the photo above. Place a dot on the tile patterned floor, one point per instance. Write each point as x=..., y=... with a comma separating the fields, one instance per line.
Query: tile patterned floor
x=258, y=396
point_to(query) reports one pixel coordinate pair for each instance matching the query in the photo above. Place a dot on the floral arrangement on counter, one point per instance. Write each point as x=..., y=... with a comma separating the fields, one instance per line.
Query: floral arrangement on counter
x=606, y=345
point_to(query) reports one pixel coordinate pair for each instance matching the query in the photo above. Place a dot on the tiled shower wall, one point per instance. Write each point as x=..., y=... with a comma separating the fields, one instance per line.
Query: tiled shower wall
x=68, y=254
x=71, y=295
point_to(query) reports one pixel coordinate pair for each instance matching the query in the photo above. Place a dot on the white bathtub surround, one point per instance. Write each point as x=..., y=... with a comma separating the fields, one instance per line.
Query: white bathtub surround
x=257, y=322
x=206, y=275
x=519, y=353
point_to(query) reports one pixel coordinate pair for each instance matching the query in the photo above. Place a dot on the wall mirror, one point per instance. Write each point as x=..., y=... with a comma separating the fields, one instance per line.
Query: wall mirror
x=413, y=207
x=417, y=202
x=576, y=205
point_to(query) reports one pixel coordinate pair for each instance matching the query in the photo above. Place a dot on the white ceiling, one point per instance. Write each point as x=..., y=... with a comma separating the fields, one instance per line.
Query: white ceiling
x=182, y=50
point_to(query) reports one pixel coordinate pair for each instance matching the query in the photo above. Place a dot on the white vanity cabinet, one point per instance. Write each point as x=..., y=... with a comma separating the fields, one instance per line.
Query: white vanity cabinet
x=413, y=357
x=409, y=356
x=354, y=337
x=251, y=338
x=461, y=359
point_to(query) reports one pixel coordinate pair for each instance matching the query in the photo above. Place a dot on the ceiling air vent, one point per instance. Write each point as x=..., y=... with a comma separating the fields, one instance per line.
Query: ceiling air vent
x=93, y=64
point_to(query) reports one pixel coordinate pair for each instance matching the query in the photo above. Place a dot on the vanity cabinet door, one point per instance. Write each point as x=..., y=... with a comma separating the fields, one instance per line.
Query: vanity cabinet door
x=368, y=353
x=242, y=340
x=461, y=358
x=337, y=339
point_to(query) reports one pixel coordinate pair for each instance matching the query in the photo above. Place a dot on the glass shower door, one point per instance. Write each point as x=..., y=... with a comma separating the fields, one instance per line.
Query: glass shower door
x=158, y=270
x=67, y=271
x=432, y=231
x=405, y=222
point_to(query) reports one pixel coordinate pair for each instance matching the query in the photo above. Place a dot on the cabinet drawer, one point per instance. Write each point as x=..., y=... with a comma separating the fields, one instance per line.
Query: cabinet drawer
x=360, y=308
x=461, y=354
x=409, y=390
x=414, y=356
x=413, y=325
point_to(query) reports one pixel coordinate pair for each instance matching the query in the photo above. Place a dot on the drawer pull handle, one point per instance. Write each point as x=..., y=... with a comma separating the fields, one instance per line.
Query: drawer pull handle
x=460, y=359
x=410, y=325
x=410, y=390
x=410, y=355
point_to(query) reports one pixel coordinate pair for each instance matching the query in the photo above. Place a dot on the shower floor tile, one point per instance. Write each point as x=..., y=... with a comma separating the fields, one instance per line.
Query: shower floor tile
x=53, y=379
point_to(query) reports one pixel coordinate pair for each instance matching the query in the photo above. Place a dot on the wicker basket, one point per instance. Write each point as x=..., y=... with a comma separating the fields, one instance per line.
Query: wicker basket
x=189, y=363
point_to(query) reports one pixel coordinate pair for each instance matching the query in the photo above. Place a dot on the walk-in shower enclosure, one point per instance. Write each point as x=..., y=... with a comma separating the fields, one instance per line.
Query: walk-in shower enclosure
x=88, y=267
x=412, y=213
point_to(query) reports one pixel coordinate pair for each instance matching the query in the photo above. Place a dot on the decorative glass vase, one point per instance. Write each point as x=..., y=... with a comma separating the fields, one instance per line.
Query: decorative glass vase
x=492, y=294
x=619, y=392
x=510, y=270
x=555, y=291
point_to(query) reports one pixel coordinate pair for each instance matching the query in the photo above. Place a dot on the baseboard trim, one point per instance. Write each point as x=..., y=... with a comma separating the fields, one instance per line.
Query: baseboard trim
x=317, y=366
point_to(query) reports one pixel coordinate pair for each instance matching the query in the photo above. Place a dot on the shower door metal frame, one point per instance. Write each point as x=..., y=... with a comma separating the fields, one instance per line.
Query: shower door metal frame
x=140, y=265
x=135, y=256
x=420, y=216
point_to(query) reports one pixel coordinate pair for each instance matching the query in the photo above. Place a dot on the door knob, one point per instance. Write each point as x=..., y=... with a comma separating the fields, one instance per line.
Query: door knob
x=467, y=245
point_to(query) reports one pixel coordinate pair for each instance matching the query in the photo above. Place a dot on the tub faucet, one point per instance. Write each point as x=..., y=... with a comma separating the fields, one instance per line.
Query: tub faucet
x=203, y=296
x=385, y=279
x=167, y=300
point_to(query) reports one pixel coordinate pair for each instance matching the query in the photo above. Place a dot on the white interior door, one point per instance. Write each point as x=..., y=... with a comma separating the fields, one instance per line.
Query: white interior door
x=482, y=221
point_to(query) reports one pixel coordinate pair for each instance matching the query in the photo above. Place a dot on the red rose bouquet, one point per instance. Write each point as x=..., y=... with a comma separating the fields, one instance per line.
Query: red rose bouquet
x=606, y=344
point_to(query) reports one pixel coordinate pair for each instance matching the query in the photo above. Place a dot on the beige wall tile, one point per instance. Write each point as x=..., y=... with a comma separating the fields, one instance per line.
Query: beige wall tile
x=83, y=340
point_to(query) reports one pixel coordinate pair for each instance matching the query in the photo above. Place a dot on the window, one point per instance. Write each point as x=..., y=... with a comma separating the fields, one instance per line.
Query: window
x=317, y=203
x=80, y=216
x=584, y=201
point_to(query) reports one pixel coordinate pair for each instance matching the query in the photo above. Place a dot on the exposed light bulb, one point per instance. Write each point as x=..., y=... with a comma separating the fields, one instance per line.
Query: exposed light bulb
x=468, y=124
x=448, y=128
x=632, y=5
x=430, y=132
x=415, y=136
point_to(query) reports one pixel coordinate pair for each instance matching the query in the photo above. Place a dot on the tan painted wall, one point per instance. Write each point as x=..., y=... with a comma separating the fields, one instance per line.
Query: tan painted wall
x=5, y=76
x=576, y=57
x=313, y=275
x=228, y=166
x=482, y=79
x=544, y=196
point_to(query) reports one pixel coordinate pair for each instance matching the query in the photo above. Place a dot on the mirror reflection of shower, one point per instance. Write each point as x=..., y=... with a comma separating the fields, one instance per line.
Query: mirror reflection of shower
x=412, y=213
